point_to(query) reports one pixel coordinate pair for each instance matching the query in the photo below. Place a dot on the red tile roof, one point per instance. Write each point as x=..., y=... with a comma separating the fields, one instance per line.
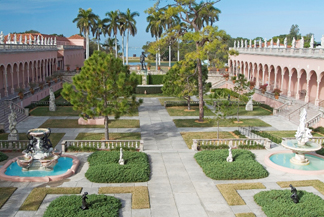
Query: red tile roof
x=76, y=36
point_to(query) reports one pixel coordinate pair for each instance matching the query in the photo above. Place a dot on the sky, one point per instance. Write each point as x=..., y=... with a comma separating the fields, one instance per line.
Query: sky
x=239, y=18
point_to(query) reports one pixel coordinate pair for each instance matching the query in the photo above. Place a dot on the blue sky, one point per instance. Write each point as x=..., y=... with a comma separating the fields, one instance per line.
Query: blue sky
x=245, y=18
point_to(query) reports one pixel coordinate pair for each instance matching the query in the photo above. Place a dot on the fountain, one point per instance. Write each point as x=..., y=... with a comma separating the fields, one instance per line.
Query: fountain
x=301, y=160
x=39, y=154
x=301, y=144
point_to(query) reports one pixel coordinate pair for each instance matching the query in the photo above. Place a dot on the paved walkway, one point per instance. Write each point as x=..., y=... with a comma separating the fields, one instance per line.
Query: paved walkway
x=178, y=186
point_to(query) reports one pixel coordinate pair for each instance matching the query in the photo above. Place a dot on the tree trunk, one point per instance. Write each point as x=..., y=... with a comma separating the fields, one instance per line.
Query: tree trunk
x=159, y=55
x=156, y=57
x=98, y=43
x=106, y=128
x=169, y=55
x=200, y=89
x=123, y=50
x=188, y=101
x=127, y=47
x=116, y=45
x=87, y=45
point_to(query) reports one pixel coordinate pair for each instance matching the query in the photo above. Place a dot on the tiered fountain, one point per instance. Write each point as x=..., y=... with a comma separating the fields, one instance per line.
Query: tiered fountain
x=302, y=160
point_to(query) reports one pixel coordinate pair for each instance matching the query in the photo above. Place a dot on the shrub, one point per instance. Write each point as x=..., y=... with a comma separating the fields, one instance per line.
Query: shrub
x=244, y=166
x=3, y=157
x=266, y=106
x=149, y=90
x=276, y=203
x=2, y=131
x=83, y=149
x=212, y=147
x=256, y=146
x=104, y=167
x=239, y=134
x=319, y=130
x=274, y=139
x=139, y=79
x=155, y=79
x=99, y=205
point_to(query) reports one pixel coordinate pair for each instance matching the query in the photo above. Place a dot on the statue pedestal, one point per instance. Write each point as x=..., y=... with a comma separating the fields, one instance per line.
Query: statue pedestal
x=13, y=136
x=52, y=107
x=144, y=81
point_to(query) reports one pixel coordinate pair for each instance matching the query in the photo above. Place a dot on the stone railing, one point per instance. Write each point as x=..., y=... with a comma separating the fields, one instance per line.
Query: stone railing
x=318, y=140
x=103, y=144
x=13, y=145
x=69, y=47
x=16, y=107
x=297, y=52
x=234, y=143
x=25, y=47
x=278, y=110
x=314, y=120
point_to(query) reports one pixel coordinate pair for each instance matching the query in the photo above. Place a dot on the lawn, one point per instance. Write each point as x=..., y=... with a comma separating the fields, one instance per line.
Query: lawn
x=64, y=123
x=170, y=99
x=222, y=123
x=60, y=111
x=54, y=137
x=149, y=95
x=180, y=111
x=257, y=111
x=112, y=136
x=189, y=136
x=289, y=133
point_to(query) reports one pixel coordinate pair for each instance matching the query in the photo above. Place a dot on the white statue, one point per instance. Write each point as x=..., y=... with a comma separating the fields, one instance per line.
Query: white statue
x=271, y=43
x=322, y=41
x=285, y=42
x=245, y=43
x=278, y=43
x=302, y=43
x=265, y=42
x=303, y=133
x=230, y=156
x=250, y=44
x=20, y=39
x=234, y=44
x=15, y=38
x=1, y=37
x=42, y=41
x=12, y=119
x=311, y=44
x=51, y=41
x=38, y=40
x=9, y=39
x=52, y=105
x=260, y=43
x=293, y=43
x=30, y=39
x=55, y=41
x=25, y=42
x=249, y=104
x=238, y=44
x=254, y=43
x=121, y=160
x=242, y=45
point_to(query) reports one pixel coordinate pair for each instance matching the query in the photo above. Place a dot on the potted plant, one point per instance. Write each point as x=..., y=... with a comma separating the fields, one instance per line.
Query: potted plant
x=31, y=87
x=226, y=76
x=226, y=69
x=20, y=92
x=41, y=85
x=138, y=67
x=48, y=80
x=277, y=93
x=67, y=67
x=55, y=76
x=149, y=65
x=234, y=79
x=77, y=68
x=58, y=68
x=263, y=88
x=159, y=67
x=252, y=84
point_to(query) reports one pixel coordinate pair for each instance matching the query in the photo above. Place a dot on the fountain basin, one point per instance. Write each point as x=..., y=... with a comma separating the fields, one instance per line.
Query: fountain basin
x=40, y=176
x=281, y=161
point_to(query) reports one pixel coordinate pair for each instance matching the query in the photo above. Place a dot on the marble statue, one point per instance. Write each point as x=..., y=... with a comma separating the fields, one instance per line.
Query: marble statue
x=293, y=43
x=12, y=119
x=278, y=43
x=301, y=45
x=322, y=41
x=51, y=41
x=25, y=42
x=55, y=41
x=242, y=45
x=38, y=40
x=121, y=160
x=250, y=45
x=312, y=42
x=245, y=43
x=15, y=38
x=230, y=156
x=238, y=44
x=9, y=39
x=271, y=43
x=234, y=44
x=249, y=104
x=30, y=39
x=294, y=195
x=260, y=43
x=52, y=105
x=265, y=42
x=285, y=42
x=1, y=37
x=255, y=44
x=20, y=39
x=84, y=202
x=42, y=40
x=303, y=134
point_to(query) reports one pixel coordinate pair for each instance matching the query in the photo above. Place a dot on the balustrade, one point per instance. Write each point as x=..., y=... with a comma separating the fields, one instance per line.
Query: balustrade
x=7, y=145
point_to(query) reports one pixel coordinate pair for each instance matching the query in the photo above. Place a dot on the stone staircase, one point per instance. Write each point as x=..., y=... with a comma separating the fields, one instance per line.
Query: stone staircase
x=5, y=111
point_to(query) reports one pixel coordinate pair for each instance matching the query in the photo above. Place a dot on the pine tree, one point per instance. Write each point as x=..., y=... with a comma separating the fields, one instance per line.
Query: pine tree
x=103, y=87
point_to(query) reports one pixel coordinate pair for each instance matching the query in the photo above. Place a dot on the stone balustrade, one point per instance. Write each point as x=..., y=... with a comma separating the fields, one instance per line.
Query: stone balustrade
x=68, y=47
x=298, y=52
x=25, y=47
x=103, y=144
x=234, y=143
x=6, y=145
x=318, y=140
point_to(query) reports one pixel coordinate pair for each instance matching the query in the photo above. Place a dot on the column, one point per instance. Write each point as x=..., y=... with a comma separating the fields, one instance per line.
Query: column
x=28, y=77
x=248, y=74
x=6, y=81
x=44, y=69
x=263, y=71
x=269, y=82
x=12, y=85
x=289, y=84
x=317, y=92
x=257, y=77
x=282, y=77
x=298, y=84
x=307, y=90
x=18, y=76
x=23, y=78
x=275, y=79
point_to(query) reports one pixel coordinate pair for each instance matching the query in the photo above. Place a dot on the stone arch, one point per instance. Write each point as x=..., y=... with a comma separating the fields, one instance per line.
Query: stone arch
x=265, y=78
x=26, y=74
x=2, y=81
x=15, y=76
x=293, y=82
x=21, y=74
x=246, y=70
x=260, y=74
x=285, y=81
x=279, y=77
x=9, y=79
x=321, y=89
x=302, y=84
x=271, y=77
x=312, y=86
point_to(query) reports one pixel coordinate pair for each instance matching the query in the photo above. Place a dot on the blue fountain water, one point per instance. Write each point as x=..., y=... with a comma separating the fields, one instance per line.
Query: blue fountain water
x=283, y=159
x=64, y=163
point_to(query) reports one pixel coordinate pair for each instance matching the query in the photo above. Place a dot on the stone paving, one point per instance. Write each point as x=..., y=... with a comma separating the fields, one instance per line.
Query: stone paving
x=178, y=186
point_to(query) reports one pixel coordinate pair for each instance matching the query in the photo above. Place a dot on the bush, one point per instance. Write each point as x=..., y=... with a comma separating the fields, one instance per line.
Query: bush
x=276, y=203
x=155, y=79
x=223, y=93
x=274, y=139
x=79, y=149
x=266, y=106
x=139, y=79
x=212, y=147
x=256, y=146
x=149, y=90
x=244, y=166
x=2, y=131
x=239, y=134
x=56, y=94
x=3, y=156
x=99, y=205
x=319, y=130
x=104, y=167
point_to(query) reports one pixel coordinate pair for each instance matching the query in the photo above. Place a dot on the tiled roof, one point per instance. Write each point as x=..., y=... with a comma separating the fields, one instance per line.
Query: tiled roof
x=76, y=36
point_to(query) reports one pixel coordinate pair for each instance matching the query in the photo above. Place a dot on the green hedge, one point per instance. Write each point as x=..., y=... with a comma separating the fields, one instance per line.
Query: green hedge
x=69, y=206
x=223, y=93
x=149, y=90
x=56, y=94
x=266, y=106
x=274, y=139
x=104, y=167
x=239, y=134
x=155, y=79
x=139, y=79
x=319, y=129
x=3, y=156
x=244, y=166
x=276, y=203
x=224, y=146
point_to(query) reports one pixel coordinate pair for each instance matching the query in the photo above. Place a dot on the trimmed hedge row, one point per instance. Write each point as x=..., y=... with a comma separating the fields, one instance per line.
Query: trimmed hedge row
x=139, y=79
x=56, y=94
x=239, y=134
x=274, y=139
x=266, y=106
x=180, y=103
x=224, y=92
x=224, y=146
x=155, y=79
x=69, y=206
x=276, y=203
x=104, y=167
x=3, y=156
x=244, y=166
x=149, y=90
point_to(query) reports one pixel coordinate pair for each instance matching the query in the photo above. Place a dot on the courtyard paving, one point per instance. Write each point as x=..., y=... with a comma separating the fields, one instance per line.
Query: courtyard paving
x=178, y=186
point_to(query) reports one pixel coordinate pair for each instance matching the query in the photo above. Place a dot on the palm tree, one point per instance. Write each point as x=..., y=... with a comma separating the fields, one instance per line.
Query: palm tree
x=155, y=28
x=130, y=26
x=99, y=28
x=85, y=20
x=110, y=45
x=122, y=31
x=113, y=25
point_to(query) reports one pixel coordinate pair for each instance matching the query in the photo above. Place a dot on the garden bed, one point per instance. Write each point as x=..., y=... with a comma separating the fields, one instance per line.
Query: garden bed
x=244, y=165
x=182, y=111
x=3, y=156
x=104, y=167
x=68, y=123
